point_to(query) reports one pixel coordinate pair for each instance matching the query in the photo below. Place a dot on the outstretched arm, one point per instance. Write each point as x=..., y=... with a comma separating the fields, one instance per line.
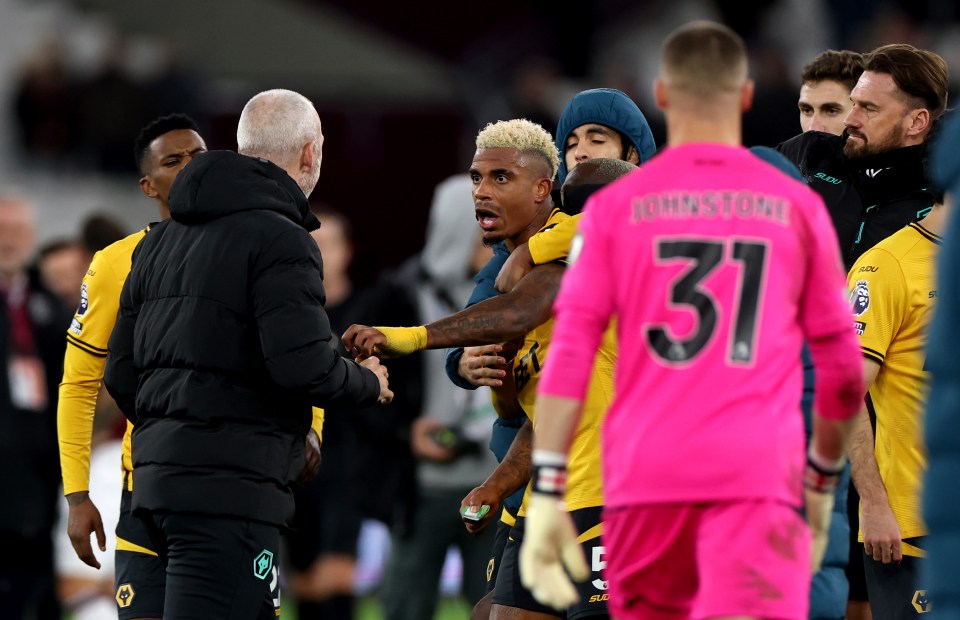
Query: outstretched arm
x=498, y=319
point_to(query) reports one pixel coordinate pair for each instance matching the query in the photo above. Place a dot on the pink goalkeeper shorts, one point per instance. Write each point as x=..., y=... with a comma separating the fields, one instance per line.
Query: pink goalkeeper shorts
x=730, y=558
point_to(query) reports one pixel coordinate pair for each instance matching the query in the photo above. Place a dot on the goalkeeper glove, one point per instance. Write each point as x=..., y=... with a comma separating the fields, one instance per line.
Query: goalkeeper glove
x=819, y=482
x=401, y=341
x=550, y=539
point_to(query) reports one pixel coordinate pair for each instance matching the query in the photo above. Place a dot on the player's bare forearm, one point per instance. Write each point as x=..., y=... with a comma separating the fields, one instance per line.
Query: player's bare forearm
x=863, y=462
x=504, y=397
x=515, y=470
x=513, y=271
x=77, y=498
x=831, y=438
x=501, y=318
x=557, y=418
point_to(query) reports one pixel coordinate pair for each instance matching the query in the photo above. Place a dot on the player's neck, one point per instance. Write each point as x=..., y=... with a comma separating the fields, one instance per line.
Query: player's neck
x=684, y=129
x=936, y=221
x=543, y=214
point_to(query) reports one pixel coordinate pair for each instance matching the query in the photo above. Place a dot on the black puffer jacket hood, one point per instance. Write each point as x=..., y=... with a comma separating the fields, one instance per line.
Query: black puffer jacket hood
x=219, y=183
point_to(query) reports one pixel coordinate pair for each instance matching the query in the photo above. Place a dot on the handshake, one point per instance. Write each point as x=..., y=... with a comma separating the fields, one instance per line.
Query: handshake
x=365, y=343
x=387, y=342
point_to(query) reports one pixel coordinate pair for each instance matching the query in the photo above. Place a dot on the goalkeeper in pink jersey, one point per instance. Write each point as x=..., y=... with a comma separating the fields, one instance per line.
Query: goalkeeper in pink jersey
x=717, y=267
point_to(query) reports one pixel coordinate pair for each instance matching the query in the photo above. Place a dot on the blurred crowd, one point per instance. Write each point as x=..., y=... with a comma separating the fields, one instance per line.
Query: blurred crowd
x=85, y=84
x=67, y=118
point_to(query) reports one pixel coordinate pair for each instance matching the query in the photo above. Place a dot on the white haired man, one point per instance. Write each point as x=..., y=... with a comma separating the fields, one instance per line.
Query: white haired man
x=232, y=350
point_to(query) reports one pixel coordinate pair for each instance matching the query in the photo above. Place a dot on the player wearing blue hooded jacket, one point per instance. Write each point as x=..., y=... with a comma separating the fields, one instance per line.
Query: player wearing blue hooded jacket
x=584, y=130
x=941, y=497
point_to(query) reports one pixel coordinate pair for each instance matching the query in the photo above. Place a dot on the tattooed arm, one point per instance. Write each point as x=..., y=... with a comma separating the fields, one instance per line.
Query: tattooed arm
x=509, y=476
x=501, y=318
x=494, y=320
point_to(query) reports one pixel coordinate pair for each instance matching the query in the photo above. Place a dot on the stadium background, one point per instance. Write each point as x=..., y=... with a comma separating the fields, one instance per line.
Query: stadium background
x=401, y=88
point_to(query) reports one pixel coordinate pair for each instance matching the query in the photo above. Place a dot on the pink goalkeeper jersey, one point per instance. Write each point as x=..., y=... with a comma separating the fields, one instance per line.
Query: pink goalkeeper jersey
x=717, y=266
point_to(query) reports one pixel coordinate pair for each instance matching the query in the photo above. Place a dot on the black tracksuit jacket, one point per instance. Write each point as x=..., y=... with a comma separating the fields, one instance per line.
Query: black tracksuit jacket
x=869, y=198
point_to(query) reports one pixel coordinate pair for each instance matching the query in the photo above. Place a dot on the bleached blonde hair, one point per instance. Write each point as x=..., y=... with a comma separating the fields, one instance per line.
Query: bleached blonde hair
x=523, y=135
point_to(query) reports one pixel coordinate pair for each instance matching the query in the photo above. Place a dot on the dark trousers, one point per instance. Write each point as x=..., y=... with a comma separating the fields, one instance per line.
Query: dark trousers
x=216, y=567
x=896, y=591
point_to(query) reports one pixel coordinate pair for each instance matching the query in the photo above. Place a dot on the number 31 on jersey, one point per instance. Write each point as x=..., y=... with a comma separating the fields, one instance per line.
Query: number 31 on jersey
x=687, y=291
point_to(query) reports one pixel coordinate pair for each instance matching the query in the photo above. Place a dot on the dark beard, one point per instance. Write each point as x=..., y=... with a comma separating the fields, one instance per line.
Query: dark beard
x=852, y=153
x=864, y=148
x=492, y=241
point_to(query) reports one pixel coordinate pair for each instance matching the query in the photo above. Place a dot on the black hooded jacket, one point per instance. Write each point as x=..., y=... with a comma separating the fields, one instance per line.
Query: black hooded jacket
x=222, y=344
x=869, y=198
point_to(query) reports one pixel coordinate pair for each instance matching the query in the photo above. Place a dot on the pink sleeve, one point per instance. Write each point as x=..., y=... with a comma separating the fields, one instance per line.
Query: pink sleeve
x=582, y=310
x=826, y=320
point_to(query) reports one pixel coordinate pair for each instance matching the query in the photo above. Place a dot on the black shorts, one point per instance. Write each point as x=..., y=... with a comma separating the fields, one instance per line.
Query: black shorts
x=593, y=592
x=140, y=577
x=895, y=589
x=854, y=570
x=217, y=567
x=496, y=553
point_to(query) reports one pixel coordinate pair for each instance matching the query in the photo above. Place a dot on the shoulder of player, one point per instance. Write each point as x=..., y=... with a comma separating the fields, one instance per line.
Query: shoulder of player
x=902, y=243
x=882, y=264
x=811, y=149
x=120, y=251
x=556, y=216
x=801, y=192
x=124, y=246
x=923, y=233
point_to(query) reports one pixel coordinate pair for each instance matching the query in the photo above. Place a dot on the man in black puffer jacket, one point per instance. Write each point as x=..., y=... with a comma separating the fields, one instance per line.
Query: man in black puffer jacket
x=873, y=178
x=220, y=349
x=874, y=181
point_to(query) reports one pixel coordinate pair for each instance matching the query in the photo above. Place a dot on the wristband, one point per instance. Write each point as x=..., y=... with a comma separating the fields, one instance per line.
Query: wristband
x=549, y=473
x=822, y=474
x=403, y=340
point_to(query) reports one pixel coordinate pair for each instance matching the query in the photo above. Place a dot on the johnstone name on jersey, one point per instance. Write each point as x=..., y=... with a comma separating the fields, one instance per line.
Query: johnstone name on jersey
x=711, y=205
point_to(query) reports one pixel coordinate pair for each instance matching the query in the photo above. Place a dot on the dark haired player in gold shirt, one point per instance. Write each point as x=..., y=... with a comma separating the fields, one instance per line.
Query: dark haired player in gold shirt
x=892, y=295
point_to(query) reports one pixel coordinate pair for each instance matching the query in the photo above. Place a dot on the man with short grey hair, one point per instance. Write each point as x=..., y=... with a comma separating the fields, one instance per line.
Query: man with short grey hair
x=276, y=125
x=232, y=349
